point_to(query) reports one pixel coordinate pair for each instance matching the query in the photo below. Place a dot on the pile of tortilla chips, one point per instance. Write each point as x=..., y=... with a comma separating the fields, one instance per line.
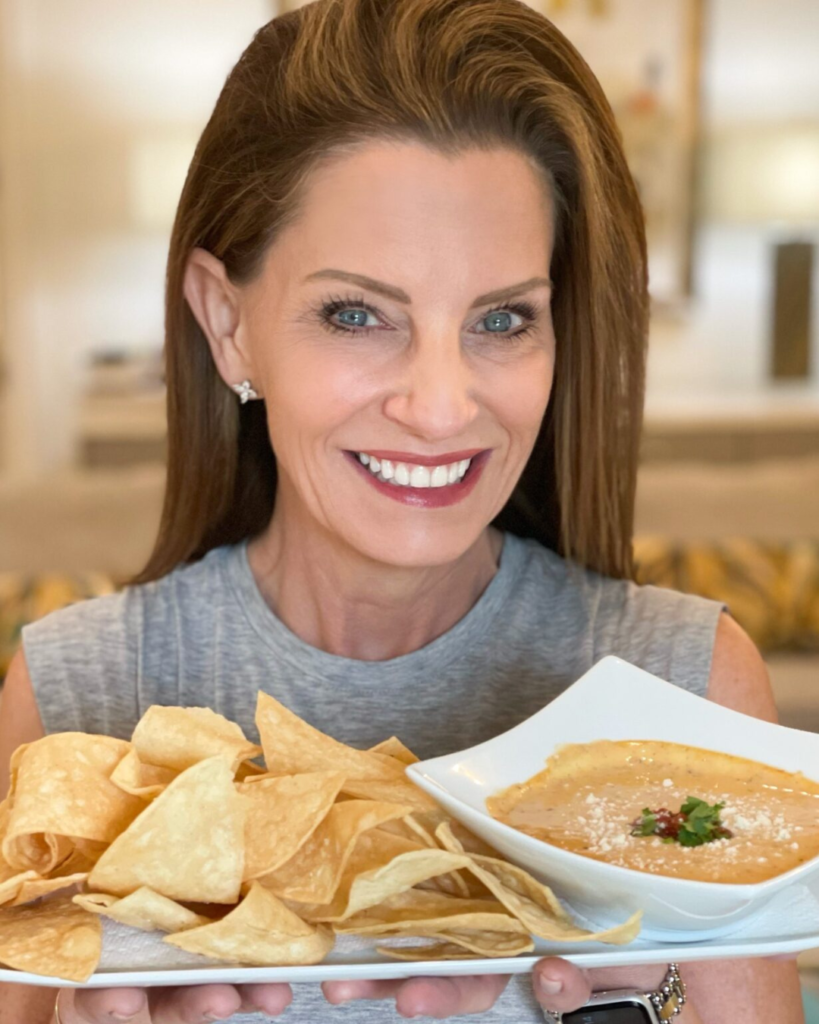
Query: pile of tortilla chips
x=181, y=831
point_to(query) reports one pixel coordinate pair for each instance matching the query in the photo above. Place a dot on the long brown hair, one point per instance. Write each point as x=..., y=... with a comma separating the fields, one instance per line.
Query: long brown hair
x=451, y=74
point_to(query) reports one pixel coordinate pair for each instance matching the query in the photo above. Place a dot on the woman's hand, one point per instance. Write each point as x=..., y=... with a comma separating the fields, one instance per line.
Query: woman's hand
x=188, y=1005
x=558, y=985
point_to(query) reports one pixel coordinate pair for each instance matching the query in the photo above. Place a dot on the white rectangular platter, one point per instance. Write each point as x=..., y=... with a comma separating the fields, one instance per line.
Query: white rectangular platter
x=789, y=924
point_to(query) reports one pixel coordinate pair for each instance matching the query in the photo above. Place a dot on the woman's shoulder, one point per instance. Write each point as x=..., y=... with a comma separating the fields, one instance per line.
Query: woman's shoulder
x=85, y=659
x=666, y=632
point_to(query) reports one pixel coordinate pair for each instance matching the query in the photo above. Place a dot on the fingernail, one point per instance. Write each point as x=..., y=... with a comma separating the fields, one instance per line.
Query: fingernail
x=549, y=986
x=121, y=1016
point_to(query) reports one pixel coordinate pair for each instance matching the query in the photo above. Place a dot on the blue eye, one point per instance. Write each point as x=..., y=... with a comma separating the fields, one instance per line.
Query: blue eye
x=358, y=317
x=500, y=322
x=349, y=315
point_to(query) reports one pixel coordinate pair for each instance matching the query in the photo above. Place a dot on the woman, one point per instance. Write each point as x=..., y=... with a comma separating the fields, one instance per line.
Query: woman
x=409, y=260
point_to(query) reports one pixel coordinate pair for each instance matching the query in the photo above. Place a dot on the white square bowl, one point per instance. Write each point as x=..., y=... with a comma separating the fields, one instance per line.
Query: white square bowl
x=618, y=701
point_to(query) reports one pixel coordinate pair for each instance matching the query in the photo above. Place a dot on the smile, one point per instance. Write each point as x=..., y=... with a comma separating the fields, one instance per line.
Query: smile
x=425, y=483
x=404, y=474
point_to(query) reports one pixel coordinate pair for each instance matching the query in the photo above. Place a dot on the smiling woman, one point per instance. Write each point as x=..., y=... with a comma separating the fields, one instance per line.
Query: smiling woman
x=406, y=317
x=426, y=149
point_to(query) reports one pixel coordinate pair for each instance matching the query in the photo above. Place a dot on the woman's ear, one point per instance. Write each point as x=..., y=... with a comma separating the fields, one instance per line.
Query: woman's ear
x=214, y=302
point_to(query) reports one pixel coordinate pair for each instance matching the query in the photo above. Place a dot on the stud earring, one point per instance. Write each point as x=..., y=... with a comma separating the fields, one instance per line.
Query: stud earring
x=244, y=391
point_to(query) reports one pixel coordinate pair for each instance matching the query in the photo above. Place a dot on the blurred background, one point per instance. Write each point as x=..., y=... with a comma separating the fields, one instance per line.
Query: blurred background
x=101, y=104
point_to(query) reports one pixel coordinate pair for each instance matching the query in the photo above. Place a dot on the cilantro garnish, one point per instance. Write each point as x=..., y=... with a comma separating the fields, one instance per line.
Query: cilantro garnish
x=696, y=823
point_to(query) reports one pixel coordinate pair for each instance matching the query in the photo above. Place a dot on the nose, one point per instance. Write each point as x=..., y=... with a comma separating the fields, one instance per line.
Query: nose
x=435, y=401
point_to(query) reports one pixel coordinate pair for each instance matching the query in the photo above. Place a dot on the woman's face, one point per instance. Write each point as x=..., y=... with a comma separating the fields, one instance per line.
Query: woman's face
x=403, y=397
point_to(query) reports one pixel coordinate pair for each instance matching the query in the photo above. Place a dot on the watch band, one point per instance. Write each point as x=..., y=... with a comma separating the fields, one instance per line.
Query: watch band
x=668, y=1000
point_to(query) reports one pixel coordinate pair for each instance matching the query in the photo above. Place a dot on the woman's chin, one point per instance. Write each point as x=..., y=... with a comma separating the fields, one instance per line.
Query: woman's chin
x=416, y=549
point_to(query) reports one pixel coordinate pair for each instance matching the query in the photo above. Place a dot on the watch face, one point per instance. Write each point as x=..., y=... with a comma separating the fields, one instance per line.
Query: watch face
x=608, y=1015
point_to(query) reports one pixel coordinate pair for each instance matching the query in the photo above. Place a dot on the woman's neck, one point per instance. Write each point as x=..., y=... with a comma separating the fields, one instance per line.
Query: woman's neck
x=341, y=602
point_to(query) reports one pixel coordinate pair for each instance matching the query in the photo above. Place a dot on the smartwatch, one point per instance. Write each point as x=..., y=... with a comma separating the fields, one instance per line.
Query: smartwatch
x=630, y=1007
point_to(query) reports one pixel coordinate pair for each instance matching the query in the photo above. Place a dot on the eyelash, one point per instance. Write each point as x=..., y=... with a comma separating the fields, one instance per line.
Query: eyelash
x=336, y=304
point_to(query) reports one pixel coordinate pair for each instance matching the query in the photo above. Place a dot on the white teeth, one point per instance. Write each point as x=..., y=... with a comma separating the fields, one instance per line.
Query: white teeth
x=404, y=474
x=440, y=477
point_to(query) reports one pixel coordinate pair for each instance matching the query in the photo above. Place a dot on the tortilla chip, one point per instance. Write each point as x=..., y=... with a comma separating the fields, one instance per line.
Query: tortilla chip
x=83, y=857
x=187, y=845
x=28, y=885
x=420, y=825
x=291, y=745
x=143, y=780
x=63, y=788
x=261, y=932
x=467, y=841
x=144, y=909
x=8, y=875
x=419, y=912
x=370, y=888
x=43, y=852
x=532, y=902
x=282, y=815
x=33, y=888
x=314, y=873
x=178, y=738
x=373, y=850
x=53, y=938
x=249, y=770
x=463, y=945
x=423, y=824
x=11, y=885
x=393, y=747
x=14, y=770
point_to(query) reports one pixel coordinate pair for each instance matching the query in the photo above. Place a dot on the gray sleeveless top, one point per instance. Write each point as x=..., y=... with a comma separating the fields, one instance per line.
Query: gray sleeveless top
x=204, y=635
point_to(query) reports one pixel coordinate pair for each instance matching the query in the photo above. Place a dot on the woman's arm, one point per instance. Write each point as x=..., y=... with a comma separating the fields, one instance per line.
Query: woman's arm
x=758, y=990
x=19, y=718
x=20, y=723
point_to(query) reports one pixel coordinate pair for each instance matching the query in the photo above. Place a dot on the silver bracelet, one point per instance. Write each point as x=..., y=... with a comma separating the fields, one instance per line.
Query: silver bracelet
x=668, y=1000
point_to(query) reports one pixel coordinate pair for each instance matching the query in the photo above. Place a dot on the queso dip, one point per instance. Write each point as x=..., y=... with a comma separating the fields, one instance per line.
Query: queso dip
x=590, y=796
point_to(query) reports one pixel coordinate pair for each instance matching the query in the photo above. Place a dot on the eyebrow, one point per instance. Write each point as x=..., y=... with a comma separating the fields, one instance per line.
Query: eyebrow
x=398, y=295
